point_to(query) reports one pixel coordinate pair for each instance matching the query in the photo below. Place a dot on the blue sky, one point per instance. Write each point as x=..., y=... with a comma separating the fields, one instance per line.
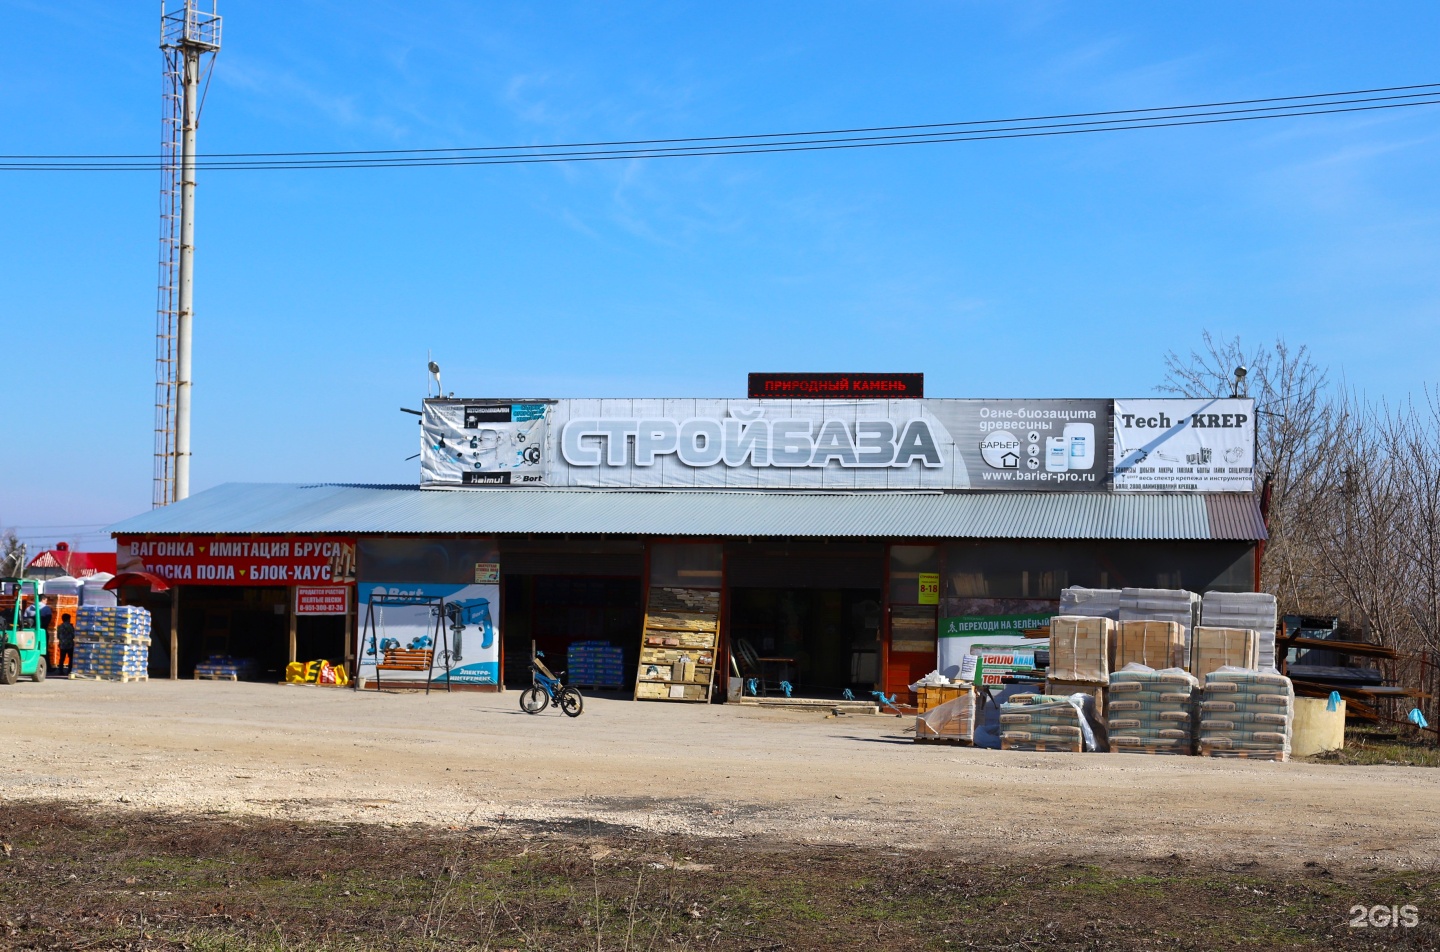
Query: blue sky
x=1040, y=267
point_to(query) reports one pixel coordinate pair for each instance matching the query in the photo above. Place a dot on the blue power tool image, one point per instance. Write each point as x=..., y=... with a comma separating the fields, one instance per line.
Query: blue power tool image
x=462, y=614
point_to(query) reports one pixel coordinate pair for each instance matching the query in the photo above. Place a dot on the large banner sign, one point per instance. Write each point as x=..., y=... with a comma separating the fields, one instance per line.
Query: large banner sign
x=1204, y=445
x=768, y=444
x=244, y=560
x=433, y=618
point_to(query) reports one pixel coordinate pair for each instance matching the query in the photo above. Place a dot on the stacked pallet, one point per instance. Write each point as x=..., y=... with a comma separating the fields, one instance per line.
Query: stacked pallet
x=1044, y=722
x=1246, y=714
x=1162, y=604
x=1080, y=656
x=951, y=722
x=1151, y=712
x=1216, y=648
x=596, y=664
x=222, y=667
x=112, y=643
x=1092, y=602
x=1154, y=644
x=1256, y=611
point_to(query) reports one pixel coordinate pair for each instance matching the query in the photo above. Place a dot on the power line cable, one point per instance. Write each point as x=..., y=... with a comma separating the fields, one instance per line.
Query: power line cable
x=769, y=143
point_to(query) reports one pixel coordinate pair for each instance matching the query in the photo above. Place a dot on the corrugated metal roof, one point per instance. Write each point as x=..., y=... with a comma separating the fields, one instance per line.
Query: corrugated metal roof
x=359, y=510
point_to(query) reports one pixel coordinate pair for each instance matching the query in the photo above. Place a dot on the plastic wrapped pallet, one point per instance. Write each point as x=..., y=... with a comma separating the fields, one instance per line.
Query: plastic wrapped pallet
x=1152, y=711
x=989, y=705
x=112, y=643
x=1216, y=648
x=1162, y=604
x=1092, y=602
x=1247, y=714
x=1047, y=722
x=1080, y=648
x=1254, y=610
x=953, y=721
x=1154, y=644
x=1093, y=689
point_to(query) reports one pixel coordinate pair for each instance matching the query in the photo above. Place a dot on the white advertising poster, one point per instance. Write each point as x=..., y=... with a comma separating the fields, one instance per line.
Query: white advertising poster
x=1170, y=445
x=399, y=619
x=900, y=444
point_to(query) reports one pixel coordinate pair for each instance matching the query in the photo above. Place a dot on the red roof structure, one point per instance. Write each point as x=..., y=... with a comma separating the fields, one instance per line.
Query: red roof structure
x=62, y=560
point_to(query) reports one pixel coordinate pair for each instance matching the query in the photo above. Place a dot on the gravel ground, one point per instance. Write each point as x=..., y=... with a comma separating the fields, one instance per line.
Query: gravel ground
x=465, y=760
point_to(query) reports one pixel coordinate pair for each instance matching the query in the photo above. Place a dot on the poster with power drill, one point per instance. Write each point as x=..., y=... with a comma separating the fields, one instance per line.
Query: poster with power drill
x=399, y=622
x=468, y=443
x=1184, y=445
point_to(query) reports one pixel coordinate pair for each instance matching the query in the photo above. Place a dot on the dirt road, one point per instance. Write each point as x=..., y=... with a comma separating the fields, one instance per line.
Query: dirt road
x=463, y=760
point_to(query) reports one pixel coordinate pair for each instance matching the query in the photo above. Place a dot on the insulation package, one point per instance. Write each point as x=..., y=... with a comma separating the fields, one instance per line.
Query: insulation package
x=1092, y=602
x=1256, y=611
x=1154, y=644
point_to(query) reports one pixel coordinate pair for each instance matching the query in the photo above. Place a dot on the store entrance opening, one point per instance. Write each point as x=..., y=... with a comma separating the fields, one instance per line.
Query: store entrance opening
x=242, y=623
x=588, y=626
x=822, y=641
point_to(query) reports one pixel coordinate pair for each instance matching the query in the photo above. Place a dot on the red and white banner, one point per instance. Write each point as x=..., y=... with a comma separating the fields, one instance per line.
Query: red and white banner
x=322, y=599
x=221, y=560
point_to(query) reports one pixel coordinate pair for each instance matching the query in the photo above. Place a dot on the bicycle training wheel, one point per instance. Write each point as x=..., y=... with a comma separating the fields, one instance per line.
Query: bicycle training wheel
x=533, y=700
x=571, y=702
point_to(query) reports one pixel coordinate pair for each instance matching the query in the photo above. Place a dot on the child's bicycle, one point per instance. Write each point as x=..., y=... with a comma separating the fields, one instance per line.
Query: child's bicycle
x=545, y=688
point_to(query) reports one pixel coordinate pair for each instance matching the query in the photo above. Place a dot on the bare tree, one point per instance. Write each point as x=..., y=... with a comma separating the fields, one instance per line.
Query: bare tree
x=12, y=554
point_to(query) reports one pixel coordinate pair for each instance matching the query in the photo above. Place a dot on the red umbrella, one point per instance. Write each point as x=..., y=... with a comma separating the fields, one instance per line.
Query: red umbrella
x=153, y=582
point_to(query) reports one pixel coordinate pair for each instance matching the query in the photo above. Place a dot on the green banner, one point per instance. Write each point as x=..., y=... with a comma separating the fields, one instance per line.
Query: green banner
x=969, y=625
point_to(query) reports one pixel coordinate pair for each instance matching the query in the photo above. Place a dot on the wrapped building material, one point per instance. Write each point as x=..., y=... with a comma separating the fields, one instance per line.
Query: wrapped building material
x=1080, y=648
x=1150, y=711
x=112, y=643
x=1092, y=602
x=1096, y=691
x=951, y=722
x=1254, y=610
x=1154, y=644
x=1162, y=604
x=1216, y=648
x=1047, y=722
x=1246, y=714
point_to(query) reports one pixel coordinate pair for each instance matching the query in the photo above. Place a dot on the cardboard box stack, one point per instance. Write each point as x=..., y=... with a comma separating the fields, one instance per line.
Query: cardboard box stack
x=1080, y=649
x=1256, y=611
x=1216, y=648
x=1162, y=604
x=111, y=643
x=1152, y=712
x=1154, y=644
x=1246, y=714
x=952, y=721
x=1043, y=722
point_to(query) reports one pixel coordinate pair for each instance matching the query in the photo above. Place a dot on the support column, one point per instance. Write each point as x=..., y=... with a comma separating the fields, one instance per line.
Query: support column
x=292, y=594
x=174, y=632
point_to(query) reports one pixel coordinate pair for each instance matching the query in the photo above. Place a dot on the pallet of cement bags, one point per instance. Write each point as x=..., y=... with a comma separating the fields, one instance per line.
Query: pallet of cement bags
x=1047, y=722
x=952, y=722
x=1256, y=611
x=1080, y=648
x=1215, y=648
x=122, y=624
x=1246, y=714
x=1095, y=690
x=1152, y=711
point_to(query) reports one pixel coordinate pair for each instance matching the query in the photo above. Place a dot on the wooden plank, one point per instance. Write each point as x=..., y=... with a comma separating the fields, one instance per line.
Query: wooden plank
x=676, y=621
x=1339, y=647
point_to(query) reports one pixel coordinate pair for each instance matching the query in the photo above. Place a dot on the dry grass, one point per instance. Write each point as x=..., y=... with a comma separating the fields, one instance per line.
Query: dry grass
x=72, y=879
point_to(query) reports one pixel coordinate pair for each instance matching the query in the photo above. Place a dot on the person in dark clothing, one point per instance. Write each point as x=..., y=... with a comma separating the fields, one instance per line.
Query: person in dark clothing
x=47, y=611
x=65, y=635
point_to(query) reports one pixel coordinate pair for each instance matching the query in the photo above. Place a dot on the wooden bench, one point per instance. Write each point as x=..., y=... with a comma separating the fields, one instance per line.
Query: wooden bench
x=406, y=659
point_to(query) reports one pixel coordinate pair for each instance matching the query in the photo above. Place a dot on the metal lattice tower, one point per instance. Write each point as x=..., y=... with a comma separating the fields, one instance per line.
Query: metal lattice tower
x=189, y=39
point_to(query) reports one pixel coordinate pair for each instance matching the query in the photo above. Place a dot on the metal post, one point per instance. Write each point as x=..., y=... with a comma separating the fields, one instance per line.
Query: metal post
x=174, y=632
x=187, y=274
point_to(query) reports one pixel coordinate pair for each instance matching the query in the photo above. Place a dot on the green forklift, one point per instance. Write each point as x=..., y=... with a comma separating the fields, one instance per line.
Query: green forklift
x=23, y=642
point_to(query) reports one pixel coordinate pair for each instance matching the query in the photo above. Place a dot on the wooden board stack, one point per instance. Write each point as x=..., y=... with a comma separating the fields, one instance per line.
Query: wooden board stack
x=1152, y=712
x=677, y=648
x=1042, y=722
x=1246, y=714
x=1215, y=648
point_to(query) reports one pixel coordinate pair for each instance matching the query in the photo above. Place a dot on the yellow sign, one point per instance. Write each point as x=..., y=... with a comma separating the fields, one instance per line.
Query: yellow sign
x=929, y=588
